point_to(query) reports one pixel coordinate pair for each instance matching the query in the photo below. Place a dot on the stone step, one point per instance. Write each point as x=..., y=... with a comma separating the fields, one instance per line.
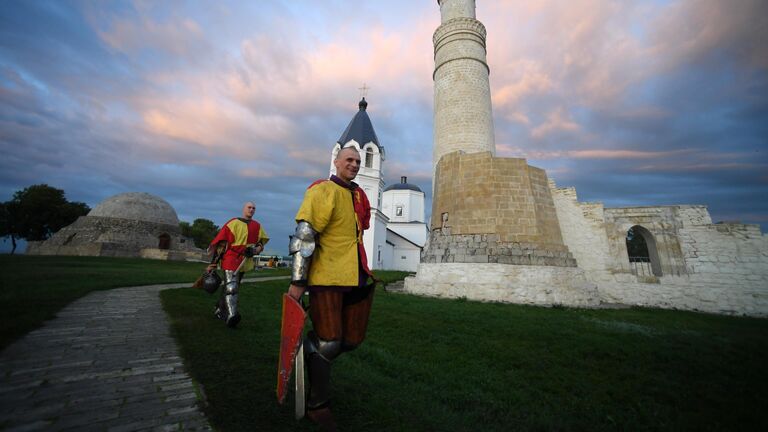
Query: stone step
x=397, y=286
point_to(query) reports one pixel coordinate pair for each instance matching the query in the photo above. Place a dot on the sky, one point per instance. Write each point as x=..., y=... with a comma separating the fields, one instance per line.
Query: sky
x=211, y=104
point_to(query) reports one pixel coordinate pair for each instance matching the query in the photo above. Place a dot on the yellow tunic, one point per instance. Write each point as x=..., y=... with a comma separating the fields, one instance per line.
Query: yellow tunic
x=329, y=209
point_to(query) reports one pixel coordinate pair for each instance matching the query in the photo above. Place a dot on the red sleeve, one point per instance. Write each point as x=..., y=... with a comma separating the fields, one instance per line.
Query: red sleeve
x=362, y=208
x=224, y=235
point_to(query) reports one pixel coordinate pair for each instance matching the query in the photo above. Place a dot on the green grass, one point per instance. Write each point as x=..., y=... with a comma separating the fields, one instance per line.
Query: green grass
x=34, y=288
x=455, y=365
x=440, y=365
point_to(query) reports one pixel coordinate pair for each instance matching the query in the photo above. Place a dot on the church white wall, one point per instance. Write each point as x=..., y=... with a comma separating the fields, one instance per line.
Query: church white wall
x=410, y=202
x=374, y=239
x=415, y=232
x=405, y=255
x=405, y=259
x=387, y=255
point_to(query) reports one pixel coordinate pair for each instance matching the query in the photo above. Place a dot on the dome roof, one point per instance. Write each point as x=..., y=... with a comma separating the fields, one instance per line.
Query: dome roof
x=403, y=185
x=137, y=206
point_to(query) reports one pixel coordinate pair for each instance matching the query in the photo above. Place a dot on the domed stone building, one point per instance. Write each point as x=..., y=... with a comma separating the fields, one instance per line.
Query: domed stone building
x=132, y=224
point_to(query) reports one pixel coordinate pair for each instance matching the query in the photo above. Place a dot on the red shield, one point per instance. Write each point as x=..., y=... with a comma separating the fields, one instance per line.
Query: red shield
x=290, y=338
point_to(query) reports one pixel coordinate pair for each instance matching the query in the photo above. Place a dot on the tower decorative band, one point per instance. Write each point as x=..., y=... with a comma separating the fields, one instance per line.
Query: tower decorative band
x=463, y=114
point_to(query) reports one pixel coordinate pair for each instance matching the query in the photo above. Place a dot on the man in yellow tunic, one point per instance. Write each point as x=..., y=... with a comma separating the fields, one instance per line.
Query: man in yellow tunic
x=329, y=260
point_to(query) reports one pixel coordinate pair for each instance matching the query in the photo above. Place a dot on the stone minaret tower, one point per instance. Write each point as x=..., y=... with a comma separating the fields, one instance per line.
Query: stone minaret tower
x=494, y=231
x=463, y=116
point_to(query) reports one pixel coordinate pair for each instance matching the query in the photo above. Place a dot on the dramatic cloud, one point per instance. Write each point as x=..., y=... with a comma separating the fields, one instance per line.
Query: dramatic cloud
x=209, y=104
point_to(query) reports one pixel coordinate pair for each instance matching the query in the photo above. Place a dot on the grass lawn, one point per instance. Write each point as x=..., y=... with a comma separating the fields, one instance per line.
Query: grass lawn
x=34, y=288
x=453, y=365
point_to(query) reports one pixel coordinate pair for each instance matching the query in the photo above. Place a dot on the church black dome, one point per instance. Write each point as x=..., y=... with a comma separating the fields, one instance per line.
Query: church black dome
x=360, y=128
x=403, y=185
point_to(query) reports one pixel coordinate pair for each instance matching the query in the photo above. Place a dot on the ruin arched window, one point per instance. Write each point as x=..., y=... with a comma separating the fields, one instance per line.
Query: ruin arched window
x=642, y=252
x=369, y=158
x=164, y=241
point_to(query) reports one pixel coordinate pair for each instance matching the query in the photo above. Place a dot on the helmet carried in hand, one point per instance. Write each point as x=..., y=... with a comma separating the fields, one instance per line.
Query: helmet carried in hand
x=211, y=281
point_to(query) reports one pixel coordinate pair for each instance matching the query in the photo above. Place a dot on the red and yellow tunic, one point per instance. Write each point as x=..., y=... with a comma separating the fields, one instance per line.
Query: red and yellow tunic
x=239, y=233
x=339, y=213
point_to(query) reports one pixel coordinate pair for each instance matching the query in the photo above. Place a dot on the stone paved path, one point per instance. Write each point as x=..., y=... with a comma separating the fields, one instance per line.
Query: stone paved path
x=107, y=362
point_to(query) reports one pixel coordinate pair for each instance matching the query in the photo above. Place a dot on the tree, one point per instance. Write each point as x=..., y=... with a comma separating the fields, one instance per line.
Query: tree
x=5, y=225
x=202, y=231
x=36, y=212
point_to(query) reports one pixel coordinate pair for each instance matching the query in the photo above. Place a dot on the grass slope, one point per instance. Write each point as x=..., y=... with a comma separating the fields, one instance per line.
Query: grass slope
x=453, y=365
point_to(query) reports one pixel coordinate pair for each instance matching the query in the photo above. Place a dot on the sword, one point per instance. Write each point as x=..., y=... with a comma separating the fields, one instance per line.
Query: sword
x=299, y=381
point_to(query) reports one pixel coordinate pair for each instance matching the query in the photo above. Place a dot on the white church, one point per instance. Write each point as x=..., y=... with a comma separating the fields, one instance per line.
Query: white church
x=398, y=232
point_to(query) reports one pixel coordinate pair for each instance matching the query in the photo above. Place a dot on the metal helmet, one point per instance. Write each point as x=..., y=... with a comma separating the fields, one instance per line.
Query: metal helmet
x=211, y=282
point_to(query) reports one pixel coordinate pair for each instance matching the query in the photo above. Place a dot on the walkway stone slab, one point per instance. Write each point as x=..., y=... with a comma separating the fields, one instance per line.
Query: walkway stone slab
x=85, y=368
x=107, y=362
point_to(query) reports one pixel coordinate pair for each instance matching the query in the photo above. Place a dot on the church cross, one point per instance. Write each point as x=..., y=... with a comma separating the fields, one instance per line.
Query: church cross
x=363, y=90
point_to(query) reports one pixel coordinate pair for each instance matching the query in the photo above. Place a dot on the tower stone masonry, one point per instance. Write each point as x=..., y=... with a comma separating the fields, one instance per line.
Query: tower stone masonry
x=462, y=105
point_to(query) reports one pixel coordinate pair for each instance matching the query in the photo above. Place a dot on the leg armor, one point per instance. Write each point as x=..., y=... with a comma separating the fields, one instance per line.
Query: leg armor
x=319, y=355
x=230, y=298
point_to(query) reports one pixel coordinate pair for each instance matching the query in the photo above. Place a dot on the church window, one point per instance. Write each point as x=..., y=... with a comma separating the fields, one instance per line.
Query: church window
x=369, y=158
x=399, y=210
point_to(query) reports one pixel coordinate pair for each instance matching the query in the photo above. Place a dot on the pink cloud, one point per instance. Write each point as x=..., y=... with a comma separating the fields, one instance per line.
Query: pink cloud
x=292, y=76
x=178, y=36
x=557, y=121
x=214, y=124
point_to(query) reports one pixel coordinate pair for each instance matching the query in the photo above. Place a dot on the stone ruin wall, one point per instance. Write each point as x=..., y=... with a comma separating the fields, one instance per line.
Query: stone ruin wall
x=719, y=268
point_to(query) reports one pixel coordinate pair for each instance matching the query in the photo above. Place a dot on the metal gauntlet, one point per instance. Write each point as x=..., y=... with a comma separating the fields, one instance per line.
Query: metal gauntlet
x=301, y=247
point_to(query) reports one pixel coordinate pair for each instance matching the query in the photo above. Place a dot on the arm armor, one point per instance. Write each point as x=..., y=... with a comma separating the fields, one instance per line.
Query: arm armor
x=301, y=247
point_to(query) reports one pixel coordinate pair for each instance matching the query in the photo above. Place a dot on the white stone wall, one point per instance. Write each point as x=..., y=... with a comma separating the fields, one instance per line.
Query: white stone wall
x=535, y=285
x=725, y=266
x=583, y=230
x=690, y=216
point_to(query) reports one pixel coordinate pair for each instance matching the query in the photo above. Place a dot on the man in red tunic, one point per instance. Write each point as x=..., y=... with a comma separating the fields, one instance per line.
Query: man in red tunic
x=329, y=261
x=239, y=240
